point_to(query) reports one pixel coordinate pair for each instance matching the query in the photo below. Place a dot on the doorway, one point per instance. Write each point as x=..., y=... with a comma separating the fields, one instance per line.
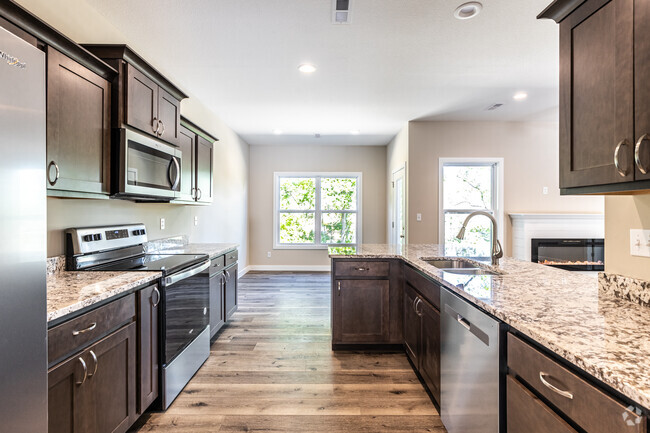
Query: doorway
x=398, y=223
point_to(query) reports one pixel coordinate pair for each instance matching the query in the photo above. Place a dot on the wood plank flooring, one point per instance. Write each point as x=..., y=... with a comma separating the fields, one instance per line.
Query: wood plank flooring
x=272, y=370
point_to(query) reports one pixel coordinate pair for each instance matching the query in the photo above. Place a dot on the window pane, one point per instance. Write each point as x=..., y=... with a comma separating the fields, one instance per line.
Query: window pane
x=338, y=228
x=467, y=187
x=297, y=193
x=338, y=193
x=297, y=228
x=478, y=236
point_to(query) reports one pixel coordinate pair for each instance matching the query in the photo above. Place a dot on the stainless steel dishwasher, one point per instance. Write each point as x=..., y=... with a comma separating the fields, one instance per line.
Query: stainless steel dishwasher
x=470, y=367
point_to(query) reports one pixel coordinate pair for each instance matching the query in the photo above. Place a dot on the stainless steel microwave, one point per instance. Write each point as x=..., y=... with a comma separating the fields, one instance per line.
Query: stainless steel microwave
x=147, y=169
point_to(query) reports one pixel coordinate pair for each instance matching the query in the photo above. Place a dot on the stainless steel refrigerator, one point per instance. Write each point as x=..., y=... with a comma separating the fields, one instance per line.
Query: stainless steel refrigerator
x=23, y=326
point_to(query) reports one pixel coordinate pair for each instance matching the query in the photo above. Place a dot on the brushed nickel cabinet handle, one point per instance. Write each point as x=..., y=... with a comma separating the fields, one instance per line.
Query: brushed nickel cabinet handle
x=362, y=269
x=418, y=312
x=161, y=123
x=637, y=153
x=83, y=364
x=199, y=194
x=617, y=163
x=90, y=328
x=338, y=286
x=157, y=292
x=155, y=123
x=96, y=364
x=227, y=275
x=556, y=390
x=56, y=175
x=415, y=300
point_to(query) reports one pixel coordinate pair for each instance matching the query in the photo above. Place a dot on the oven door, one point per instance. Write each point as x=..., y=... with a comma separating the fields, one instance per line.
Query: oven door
x=186, y=312
x=148, y=168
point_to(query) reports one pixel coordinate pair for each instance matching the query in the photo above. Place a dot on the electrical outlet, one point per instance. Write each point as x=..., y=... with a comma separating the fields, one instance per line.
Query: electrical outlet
x=640, y=243
x=162, y=223
x=418, y=217
x=268, y=254
x=545, y=190
x=196, y=221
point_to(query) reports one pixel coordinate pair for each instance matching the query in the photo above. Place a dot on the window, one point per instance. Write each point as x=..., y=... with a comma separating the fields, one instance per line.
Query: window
x=317, y=210
x=468, y=185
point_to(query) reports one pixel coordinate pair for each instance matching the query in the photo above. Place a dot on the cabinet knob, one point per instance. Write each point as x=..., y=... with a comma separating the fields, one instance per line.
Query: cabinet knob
x=56, y=173
x=617, y=163
x=637, y=153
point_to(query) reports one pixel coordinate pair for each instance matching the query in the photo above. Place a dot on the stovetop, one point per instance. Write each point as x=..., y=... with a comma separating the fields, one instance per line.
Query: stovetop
x=165, y=263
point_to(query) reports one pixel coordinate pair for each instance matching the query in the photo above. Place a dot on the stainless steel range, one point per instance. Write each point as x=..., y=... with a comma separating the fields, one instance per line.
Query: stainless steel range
x=184, y=295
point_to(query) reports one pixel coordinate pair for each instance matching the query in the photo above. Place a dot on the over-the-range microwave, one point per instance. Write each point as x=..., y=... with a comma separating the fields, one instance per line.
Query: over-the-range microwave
x=145, y=168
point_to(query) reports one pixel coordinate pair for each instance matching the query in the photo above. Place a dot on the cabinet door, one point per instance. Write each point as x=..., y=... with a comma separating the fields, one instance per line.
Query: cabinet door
x=411, y=325
x=204, y=170
x=78, y=127
x=68, y=398
x=216, y=303
x=169, y=116
x=230, y=292
x=360, y=311
x=187, y=145
x=641, y=90
x=141, y=102
x=149, y=358
x=597, y=94
x=527, y=414
x=430, y=347
x=112, y=379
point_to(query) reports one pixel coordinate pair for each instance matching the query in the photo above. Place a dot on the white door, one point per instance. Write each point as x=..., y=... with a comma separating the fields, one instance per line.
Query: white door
x=398, y=224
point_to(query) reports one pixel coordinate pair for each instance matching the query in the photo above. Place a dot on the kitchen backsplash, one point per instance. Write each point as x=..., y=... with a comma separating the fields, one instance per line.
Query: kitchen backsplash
x=632, y=289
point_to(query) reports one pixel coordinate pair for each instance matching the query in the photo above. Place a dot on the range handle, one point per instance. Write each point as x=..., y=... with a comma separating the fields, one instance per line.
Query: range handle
x=173, y=279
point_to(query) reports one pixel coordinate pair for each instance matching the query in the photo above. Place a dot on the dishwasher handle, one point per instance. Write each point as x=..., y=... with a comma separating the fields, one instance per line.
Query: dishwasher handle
x=475, y=330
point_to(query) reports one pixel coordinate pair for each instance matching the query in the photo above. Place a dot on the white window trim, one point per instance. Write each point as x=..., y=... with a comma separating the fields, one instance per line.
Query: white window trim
x=276, y=211
x=499, y=212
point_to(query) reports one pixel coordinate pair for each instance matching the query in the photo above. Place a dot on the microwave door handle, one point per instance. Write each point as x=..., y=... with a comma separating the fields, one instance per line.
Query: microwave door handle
x=178, y=173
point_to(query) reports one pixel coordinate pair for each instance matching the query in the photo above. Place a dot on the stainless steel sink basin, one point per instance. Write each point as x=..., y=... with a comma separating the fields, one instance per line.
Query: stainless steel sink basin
x=471, y=271
x=450, y=264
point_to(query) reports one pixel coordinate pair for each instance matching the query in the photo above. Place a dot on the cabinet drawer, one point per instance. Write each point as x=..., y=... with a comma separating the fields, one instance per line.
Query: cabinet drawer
x=528, y=414
x=232, y=257
x=75, y=334
x=588, y=406
x=217, y=265
x=361, y=269
x=427, y=288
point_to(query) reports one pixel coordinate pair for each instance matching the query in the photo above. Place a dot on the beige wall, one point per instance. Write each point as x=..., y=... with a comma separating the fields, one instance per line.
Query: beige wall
x=224, y=221
x=530, y=153
x=623, y=213
x=265, y=160
x=396, y=158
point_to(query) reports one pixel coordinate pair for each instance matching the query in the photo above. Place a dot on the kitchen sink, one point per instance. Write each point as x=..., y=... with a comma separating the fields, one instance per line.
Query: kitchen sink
x=451, y=264
x=471, y=271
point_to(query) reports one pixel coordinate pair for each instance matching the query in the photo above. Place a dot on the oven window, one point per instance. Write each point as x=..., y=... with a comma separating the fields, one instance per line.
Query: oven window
x=150, y=168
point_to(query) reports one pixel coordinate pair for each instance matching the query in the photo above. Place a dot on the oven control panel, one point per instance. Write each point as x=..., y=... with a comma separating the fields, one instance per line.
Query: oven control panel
x=94, y=239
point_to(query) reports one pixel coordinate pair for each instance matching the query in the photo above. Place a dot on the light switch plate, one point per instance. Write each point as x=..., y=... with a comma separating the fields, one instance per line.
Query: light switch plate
x=418, y=217
x=196, y=221
x=640, y=242
x=162, y=223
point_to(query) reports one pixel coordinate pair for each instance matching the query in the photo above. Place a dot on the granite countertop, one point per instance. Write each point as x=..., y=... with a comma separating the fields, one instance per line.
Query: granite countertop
x=71, y=292
x=569, y=313
x=212, y=250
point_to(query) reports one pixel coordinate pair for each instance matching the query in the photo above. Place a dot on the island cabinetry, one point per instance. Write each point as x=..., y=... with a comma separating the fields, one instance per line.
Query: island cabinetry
x=366, y=302
x=537, y=383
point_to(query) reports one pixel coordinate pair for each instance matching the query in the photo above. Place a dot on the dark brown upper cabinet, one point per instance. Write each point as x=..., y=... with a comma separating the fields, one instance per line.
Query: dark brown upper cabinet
x=197, y=164
x=78, y=128
x=142, y=97
x=604, y=96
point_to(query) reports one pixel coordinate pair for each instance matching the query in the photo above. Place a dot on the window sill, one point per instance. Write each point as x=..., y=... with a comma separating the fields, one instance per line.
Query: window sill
x=308, y=247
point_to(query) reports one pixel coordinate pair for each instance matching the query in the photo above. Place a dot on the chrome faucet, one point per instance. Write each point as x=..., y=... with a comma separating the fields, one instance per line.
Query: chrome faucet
x=497, y=251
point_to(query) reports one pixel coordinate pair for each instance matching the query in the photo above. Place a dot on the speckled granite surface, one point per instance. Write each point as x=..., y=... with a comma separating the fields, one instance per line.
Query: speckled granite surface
x=603, y=334
x=212, y=250
x=69, y=292
x=55, y=265
x=625, y=287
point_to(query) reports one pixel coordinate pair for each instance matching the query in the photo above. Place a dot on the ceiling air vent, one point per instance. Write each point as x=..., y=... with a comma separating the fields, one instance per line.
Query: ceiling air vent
x=341, y=11
x=493, y=107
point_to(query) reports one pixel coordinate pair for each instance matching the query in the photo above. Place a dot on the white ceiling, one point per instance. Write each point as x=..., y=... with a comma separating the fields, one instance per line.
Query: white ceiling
x=398, y=60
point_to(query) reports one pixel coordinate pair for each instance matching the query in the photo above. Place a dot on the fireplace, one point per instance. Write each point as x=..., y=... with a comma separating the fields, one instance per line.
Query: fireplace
x=570, y=254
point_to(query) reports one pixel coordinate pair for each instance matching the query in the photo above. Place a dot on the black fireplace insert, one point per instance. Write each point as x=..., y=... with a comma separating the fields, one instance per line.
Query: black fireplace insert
x=570, y=254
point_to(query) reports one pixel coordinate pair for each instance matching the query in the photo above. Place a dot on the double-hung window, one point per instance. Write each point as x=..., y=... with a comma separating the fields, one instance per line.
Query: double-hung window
x=316, y=210
x=468, y=185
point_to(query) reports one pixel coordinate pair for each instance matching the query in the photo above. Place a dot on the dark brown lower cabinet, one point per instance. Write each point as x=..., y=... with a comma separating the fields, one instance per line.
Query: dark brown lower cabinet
x=95, y=390
x=411, y=325
x=528, y=414
x=217, y=310
x=148, y=357
x=360, y=311
x=230, y=290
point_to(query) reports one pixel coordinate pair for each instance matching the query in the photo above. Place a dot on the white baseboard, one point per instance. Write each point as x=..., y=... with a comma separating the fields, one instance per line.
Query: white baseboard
x=244, y=271
x=289, y=268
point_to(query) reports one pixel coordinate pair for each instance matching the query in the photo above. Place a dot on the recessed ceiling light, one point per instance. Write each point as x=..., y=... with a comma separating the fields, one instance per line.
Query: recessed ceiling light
x=307, y=68
x=520, y=96
x=468, y=10
x=277, y=131
x=355, y=132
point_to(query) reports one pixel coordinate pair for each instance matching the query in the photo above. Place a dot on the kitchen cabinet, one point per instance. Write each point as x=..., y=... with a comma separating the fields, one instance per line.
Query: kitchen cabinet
x=187, y=145
x=197, y=164
x=78, y=128
x=217, y=290
x=230, y=290
x=204, y=160
x=148, y=338
x=604, y=96
x=142, y=97
x=366, y=303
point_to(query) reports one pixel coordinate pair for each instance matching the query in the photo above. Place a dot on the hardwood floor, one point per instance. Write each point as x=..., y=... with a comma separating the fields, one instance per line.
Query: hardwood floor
x=272, y=370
